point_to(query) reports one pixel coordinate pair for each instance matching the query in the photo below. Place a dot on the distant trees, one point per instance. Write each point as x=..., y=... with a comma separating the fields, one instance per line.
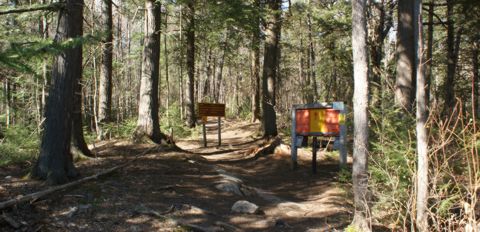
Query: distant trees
x=360, y=115
x=55, y=162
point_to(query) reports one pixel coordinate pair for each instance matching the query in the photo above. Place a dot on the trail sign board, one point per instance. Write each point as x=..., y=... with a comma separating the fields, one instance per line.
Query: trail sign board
x=206, y=110
x=211, y=109
x=319, y=120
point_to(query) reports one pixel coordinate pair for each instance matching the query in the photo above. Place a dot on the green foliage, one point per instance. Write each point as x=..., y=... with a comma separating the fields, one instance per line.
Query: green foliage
x=171, y=120
x=18, y=144
x=122, y=130
x=345, y=175
x=392, y=163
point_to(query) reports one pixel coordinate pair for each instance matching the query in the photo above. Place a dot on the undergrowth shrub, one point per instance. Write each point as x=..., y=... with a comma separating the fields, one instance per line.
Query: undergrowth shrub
x=171, y=120
x=454, y=177
x=19, y=144
x=392, y=165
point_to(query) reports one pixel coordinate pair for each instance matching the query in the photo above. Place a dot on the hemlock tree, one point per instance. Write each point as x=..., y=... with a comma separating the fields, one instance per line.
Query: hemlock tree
x=405, y=80
x=148, y=121
x=105, y=82
x=272, y=37
x=360, y=114
x=55, y=162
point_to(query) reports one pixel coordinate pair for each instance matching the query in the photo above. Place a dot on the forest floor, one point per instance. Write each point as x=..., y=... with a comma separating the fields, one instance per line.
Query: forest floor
x=192, y=189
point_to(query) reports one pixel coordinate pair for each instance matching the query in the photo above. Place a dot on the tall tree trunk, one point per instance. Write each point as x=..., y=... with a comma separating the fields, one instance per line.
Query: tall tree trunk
x=78, y=146
x=45, y=84
x=421, y=115
x=476, y=78
x=166, y=68
x=55, y=162
x=381, y=21
x=219, y=67
x=209, y=78
x=312, y=60
x=190, y=33
x=360, y=114
x=452, y=58
x=255, y=68
x=405, y=80
x=105, y=85
x=429, y=59
x=269, y=77
x=148, y=121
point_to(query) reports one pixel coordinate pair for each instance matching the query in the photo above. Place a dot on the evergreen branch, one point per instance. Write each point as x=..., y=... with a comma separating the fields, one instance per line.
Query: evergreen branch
x=50, y=7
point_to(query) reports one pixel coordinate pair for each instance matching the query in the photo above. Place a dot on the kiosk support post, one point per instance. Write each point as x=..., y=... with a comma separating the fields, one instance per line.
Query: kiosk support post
x=219, y=131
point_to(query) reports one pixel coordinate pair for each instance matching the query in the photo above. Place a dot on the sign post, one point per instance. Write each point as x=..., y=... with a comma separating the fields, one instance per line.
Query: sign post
x=319, y=120
x=213, y=110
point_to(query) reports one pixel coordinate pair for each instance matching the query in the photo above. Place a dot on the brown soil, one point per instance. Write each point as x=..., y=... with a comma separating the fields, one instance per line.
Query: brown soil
x=167, y=190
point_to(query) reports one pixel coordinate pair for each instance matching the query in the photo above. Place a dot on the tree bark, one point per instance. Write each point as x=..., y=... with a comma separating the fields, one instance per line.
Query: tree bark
x=421, y=115
x=255, y=68
x=148, y=121
x=269, y=77
x=55, y=162
x=219, y=67
x=429, y=59
x=312, y=60
x=476, y=77
x=381, y=21
x=78, y=146
x=360, y=115
x=452, y=58
x=190, y=34
x=405, y=80
x=105, y=85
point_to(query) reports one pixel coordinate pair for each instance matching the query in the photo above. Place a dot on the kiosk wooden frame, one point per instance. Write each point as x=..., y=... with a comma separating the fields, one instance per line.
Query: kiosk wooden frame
x=328, y=120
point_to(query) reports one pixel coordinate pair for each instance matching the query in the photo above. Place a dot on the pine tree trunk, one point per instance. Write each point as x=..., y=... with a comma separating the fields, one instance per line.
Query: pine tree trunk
x=55, y=162
x=190, y=34
x=105, y=82
x=148, y=121
x=360, y=115
x=269, y=77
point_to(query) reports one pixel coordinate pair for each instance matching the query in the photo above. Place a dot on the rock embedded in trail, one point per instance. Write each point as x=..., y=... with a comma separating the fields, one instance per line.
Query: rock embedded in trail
x=244, y=207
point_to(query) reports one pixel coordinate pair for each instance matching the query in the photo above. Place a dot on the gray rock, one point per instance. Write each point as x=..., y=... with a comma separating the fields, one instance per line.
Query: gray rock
x=230, y=187
x=244, y=207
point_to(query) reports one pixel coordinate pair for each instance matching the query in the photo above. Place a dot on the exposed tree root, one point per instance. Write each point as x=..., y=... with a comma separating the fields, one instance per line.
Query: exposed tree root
x=30, y=198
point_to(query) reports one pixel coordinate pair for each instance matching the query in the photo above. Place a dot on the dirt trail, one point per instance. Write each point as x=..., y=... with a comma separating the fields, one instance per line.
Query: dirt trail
x=179, y=190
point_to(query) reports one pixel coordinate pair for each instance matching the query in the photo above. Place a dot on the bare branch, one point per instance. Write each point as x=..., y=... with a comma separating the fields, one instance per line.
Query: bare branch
x=50, y=7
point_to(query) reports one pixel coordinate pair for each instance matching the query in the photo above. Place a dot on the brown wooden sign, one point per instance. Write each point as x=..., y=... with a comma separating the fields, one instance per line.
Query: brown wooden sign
x=211, y=109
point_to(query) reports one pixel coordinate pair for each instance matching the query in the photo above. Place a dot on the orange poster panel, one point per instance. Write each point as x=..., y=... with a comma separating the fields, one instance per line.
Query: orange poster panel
x=302, y=121
x=332, y=121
